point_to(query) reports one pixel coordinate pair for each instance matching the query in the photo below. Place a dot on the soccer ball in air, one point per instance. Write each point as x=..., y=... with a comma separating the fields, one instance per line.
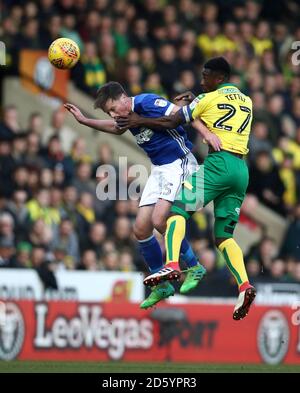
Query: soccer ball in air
x=63, y=53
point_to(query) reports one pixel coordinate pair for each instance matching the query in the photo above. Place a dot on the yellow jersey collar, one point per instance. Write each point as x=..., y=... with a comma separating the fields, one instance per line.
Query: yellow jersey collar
x=225, y=84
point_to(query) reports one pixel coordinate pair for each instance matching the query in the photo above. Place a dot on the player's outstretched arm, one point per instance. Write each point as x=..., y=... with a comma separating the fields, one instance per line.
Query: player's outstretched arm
x=133, y=120
x=108, y=126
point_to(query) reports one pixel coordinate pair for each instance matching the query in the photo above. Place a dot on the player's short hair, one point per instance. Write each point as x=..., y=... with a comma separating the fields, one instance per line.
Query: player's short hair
x=219, y=65
x=111, y=90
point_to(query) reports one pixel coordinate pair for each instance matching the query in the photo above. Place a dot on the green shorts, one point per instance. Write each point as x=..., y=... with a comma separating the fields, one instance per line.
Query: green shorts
x=222, y=178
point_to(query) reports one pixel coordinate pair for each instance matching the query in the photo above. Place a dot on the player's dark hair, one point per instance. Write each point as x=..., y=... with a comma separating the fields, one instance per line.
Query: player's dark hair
x=219, y=65
x=111, y=90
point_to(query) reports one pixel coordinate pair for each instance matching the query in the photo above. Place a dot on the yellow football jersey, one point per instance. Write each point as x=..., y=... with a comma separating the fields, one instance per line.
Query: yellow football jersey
x=227, y=112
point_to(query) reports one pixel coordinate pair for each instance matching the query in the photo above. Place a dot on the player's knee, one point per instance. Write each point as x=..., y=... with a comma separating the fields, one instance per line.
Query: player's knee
x=224, y=229
x=219, y=241
x=141, y=232
x=159, y=222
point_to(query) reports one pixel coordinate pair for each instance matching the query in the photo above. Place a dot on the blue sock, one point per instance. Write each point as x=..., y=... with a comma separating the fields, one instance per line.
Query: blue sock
x=187, y=254
x=151, y=251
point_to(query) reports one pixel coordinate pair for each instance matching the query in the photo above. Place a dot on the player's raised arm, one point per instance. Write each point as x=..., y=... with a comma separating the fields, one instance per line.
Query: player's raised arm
x=108, y=126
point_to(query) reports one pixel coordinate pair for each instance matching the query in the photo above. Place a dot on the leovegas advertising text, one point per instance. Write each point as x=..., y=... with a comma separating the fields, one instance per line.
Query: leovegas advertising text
x=58, y=330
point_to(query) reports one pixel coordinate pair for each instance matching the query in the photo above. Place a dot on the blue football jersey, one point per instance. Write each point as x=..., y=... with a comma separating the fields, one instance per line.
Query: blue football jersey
x=162, y=146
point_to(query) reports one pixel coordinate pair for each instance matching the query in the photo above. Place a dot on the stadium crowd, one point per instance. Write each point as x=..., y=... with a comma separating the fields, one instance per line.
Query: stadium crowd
x=50, y=217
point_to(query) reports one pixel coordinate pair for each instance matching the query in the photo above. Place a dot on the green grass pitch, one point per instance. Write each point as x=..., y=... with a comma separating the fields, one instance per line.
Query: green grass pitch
x=119, y=367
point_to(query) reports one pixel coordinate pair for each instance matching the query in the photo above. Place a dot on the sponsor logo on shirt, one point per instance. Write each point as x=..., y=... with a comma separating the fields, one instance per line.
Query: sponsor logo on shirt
x=144, y=136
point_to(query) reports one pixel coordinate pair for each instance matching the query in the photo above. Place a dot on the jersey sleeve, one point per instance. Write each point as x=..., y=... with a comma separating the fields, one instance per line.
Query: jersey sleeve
x=194, y=109
x=154, y=106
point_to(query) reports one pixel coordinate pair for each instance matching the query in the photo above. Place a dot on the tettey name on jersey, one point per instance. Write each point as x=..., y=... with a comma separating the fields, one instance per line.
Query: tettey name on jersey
x=144, y=136
x=235, y=96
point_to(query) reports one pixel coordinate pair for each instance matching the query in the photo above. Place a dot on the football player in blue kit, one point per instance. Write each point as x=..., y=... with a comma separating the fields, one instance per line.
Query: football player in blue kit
x=172, y=162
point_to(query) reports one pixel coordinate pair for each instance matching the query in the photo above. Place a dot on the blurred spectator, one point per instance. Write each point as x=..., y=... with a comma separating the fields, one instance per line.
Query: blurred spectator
x=296, y=272
x=121, y=36
x=185, y=82
x=7, y=166
x=29, y=35
x=264, y=252
x=56, y=201
x=261, y=41
x=133, y=80
x=104, y=157
x=259, y=140
x=39, y=208
x=265, y=182
x=50, y=31
x=167, y=66
x=291, y=241
x=90, y=30
x=83, y=181
x=55, y=157
x=89, y=74
x=153, y=85
x=85, y=214
x=22, y=258
x=40, y=234
x=148, y=63
x=47, y=8
x=107, y=55
x=110, y=261
x=19, y=147
x=7, y=227
x=9, y=126
x=46, y=178
x=79, y=151
x=209, y=40
x=33, y=152
x=88, y=261
x=7, y=250
x=68, y=30
x=126, y=261
x=253, y=269
x=20, y=178
x=65, y=134
x=62, y=261
x=288, y=178
x=139, y=37
x=35, y=124
x=65, y=238
x=70, y=197
x=17, y=208
x=277, y=271
x=95, y=239
x=133, y=57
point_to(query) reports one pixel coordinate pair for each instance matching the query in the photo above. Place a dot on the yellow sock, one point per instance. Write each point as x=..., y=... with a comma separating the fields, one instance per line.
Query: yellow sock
x=173, y=238
x=235, y=261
